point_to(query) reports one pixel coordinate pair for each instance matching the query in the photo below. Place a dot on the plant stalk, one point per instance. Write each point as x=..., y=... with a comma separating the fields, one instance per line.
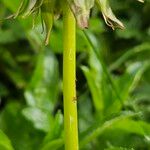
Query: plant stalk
x=69, y=80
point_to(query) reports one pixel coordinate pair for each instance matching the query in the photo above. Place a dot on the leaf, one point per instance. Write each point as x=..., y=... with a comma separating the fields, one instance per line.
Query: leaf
x=90, y=134
x=12, y=5
x=54, y=137
x=6, y=36
x=130, y=79
x=104, y=82
x=11, y=68
x=54, y=145
x=18, y=129
x=56, y=128
x=5, y=143
x=108, y=15
x=95, y=88
x=129, y=53
x=133, y=126
x=119, y=148
x=42, y=91
x=40, y=119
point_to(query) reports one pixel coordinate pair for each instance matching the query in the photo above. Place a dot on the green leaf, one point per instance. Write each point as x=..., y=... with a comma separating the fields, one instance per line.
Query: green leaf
x=130, y=79
x=129, y=53
x=42, y=91
x=5, y=143
x=95, y=88
x=18, y=129
x=11, y=68
x=92, y=133
x=54, y=145
x=104, y=84
x=133, y=126
x=118, y=148
x=56, y=128
x=41, y=119
x=12, y=5
x=54, y=137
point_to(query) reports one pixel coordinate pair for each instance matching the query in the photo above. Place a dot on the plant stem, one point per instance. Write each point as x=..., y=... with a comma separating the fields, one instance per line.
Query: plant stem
x=69, y=80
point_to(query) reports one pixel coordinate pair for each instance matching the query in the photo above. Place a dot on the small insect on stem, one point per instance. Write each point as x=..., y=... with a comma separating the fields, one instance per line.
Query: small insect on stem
x=74, y=99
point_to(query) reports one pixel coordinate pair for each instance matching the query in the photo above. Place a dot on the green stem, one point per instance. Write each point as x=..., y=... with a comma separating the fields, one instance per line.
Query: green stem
x=69, y=81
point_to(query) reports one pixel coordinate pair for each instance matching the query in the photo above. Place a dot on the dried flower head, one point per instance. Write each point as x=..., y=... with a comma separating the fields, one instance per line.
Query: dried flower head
x=51, y=10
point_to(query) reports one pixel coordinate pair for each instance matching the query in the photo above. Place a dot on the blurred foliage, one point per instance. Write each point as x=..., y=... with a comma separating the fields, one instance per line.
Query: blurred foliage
x=113, y=82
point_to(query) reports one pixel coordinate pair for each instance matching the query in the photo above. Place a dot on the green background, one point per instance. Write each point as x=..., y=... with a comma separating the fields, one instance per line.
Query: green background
x=113, y=82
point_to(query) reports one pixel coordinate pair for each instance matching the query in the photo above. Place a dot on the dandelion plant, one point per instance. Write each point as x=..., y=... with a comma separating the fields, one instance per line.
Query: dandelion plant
x=73, y=12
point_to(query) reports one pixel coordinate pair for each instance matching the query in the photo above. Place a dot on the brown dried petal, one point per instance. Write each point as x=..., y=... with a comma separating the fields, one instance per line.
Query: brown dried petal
x=108, y=15
x=142, y=1
x=81, y=10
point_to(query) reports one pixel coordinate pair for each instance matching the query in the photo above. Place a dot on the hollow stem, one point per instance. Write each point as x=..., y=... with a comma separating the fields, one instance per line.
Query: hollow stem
x=69, y=80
